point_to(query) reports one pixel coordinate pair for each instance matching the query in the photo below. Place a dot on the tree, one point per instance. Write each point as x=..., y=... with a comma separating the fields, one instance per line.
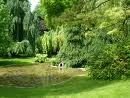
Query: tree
x=17, y=14
x=73, y=50
x=4, y=32
x=104, y=46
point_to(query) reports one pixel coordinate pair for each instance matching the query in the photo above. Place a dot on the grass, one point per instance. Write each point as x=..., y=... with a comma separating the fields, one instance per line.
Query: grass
x=15, y=61
x=77, y=87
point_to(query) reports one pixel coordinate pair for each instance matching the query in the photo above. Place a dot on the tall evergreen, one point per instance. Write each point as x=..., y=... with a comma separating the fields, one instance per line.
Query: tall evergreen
x=73, y=50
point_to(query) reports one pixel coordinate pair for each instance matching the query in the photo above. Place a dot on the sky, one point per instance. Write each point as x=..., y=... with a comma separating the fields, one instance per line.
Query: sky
x=33, y=4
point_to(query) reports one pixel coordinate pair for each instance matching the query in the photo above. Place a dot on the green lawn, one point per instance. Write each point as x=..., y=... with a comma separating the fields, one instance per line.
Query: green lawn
x=15, y=61
x=78, y=87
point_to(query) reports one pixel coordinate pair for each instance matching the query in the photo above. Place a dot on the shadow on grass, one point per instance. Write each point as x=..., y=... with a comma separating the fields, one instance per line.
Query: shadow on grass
x=73, y=86
x=15, y=61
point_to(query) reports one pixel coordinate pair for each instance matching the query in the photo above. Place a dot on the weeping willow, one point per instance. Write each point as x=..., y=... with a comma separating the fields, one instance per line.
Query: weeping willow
x=17, y=14
x=23, y=22
x=52, y=41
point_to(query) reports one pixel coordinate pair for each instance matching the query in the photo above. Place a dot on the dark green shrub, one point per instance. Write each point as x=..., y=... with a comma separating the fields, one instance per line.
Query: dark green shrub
x=124, y=57
x=5, y=38
x=73, y=50
x=109, y=64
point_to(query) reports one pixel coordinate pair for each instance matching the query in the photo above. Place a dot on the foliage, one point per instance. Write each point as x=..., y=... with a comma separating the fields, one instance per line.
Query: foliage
x=17, y=13
x=23, y=23
x=112, y=62
x=52, y=41
x=52, y=9
x=5, y=38
x=22, y=48
x=107, y=25
x=107, y=43
x=41, y=58
x=39, y=48
x=73, y=50
x=54, y=61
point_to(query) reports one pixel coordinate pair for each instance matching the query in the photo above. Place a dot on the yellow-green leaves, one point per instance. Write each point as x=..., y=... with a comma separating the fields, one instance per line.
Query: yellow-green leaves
x=115, y=13
x=114, y=31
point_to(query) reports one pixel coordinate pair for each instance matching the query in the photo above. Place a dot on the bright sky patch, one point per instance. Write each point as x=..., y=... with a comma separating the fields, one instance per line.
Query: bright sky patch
x=34, y=3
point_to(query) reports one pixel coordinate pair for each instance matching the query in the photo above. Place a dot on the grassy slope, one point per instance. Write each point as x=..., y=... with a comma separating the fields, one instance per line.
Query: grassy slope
x=78, y=87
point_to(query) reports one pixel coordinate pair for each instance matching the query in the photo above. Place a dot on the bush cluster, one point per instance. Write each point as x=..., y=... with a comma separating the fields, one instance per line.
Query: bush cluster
x=41, y=58
x=112, y=62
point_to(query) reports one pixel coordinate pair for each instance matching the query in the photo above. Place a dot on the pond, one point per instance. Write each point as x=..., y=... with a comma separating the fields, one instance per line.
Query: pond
x=35, y=75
